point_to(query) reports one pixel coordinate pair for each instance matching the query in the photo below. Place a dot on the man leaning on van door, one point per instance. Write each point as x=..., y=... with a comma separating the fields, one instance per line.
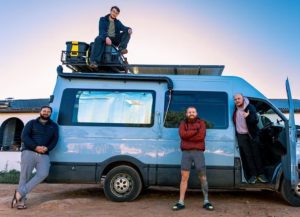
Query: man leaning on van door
x=192, y=132
x=245, y=120
x=39, y=137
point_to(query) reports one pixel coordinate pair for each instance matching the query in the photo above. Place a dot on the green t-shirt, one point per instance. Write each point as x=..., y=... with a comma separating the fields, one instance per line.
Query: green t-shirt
x=111, y=29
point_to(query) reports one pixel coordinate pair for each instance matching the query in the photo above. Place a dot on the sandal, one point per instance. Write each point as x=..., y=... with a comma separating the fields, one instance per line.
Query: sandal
x=208, y=206
x=178, y=206
x=21, y=206
x=14, y=201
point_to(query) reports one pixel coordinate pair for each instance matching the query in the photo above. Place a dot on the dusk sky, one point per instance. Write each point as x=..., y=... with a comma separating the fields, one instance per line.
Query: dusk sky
x=258, y=40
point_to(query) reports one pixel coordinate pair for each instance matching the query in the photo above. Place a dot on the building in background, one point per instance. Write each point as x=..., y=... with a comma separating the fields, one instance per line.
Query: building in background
x=283, y=106
x=14, y=114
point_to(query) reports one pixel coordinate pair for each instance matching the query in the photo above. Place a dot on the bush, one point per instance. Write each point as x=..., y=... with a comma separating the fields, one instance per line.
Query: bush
x=10, y=177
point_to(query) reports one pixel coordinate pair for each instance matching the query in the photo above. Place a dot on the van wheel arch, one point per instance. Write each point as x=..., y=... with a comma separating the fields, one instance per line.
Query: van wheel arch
x=113, y=164
x=115, y=161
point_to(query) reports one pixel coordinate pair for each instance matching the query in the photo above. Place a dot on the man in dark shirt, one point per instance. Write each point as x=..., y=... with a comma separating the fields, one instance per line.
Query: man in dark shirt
x=39, y=137
x=192, y=132
x=245, y=120
x=111, y=31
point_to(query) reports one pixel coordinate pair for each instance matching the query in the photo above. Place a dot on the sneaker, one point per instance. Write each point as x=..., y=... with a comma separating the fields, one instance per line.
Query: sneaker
x=124, y=51
x=178, y=206
x=126, y=61
x=262, y=178
x=208, y=206
x=93, y=64
x=252, y=180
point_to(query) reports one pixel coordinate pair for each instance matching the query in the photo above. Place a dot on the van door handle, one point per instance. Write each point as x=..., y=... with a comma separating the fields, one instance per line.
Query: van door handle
x=159, y=124
x=158, y=118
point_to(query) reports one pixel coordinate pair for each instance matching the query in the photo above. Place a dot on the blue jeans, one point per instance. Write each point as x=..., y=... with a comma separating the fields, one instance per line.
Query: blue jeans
x=99, y=45
x=31, y=160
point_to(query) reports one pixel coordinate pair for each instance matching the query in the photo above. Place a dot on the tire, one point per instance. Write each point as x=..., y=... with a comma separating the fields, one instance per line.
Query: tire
x=122, y=183
x=288, y=194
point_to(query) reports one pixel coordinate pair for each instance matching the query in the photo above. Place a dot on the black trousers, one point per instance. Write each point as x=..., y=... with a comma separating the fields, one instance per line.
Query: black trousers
x=99, y=44
x=250, y=154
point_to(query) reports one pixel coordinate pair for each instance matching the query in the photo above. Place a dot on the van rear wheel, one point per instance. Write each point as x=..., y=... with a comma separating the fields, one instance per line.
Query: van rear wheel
x=122, y=183
x=289, y=194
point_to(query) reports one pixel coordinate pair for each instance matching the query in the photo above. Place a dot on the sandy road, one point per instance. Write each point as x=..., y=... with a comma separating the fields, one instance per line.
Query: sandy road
x=60, y=200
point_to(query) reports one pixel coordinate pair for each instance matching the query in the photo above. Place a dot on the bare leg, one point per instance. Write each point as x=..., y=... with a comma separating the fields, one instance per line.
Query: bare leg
x=204, y=187
x=183, y=184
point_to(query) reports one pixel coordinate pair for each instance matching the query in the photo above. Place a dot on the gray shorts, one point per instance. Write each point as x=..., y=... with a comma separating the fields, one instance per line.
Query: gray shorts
x=193, y=156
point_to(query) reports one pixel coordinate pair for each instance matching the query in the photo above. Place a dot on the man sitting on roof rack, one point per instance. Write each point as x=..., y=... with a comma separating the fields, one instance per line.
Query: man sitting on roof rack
x=111, y=31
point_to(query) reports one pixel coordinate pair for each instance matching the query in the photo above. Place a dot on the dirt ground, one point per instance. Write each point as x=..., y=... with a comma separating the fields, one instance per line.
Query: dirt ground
x=61, y=200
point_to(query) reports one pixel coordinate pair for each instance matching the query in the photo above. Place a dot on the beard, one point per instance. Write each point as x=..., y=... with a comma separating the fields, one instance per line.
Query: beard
x=44, y=117
x=191, y=118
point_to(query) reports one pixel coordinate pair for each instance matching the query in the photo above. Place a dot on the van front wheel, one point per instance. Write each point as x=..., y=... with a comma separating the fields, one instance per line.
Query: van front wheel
x=289, y=194
x=122, y=183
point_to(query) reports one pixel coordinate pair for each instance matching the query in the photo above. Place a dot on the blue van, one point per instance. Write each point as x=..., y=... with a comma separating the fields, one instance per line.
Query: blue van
x=123, y=129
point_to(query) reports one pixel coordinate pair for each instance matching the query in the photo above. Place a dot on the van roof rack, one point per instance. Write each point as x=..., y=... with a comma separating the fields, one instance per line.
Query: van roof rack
x=216, y=70
x=176, y=69
x=77, y=58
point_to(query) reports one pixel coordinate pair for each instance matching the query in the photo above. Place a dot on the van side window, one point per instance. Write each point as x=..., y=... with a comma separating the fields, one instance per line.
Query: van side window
x=211, y=106
x=107, y=107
